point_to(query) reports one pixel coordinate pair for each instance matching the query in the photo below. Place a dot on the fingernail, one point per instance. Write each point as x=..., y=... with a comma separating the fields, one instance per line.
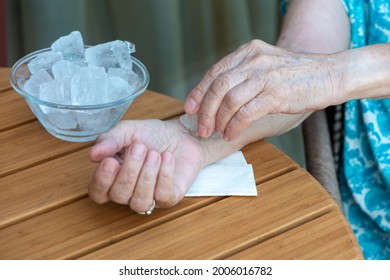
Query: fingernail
x=202, y=130
x=138, y=151
x=190, y=105
x=226, y=138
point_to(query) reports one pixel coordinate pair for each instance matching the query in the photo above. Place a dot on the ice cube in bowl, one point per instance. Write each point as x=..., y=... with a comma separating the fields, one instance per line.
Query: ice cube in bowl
x=75, y=120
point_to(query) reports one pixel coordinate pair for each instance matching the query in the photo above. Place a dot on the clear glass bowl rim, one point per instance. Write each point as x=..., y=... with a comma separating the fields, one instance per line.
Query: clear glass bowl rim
x=137, y=63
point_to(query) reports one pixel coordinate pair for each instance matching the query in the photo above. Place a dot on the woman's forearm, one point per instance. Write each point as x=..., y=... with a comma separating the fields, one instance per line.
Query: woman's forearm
x=362, y=72
x=217, y=148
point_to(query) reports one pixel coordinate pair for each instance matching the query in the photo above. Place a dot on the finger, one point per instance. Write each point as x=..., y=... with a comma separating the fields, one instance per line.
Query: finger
x=195, y=97
x=234, y=100
x=108, y=144
x=164, y=193
x=126, y=180
x=246, y=115
x=143, y=194
x=214, y=98
x=102, y=180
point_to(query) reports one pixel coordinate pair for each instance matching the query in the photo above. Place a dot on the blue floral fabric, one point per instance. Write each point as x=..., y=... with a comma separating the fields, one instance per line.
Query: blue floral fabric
x=365, y=174
x=365, y=171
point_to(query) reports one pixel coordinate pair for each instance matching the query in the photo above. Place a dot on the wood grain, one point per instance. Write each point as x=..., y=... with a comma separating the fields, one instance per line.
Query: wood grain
x=328, y=237
x=228, y=226
x=267, y=165
x=15, y=111
x=223, y=225
x=4, y=79
x=83, y=226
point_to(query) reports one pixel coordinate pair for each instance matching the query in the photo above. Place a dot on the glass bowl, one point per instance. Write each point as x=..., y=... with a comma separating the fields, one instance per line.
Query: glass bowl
x=76, y=123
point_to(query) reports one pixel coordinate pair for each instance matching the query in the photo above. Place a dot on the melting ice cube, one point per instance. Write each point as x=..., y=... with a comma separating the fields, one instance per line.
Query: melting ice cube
x=118, y=88
x=129, y=76
x=190, y=122
x=54, y=91
x=89, y=86
x=70, y=46
x=43, y=61
x=62, y=120
x=110, y=54
x=32, y=84
x=64, y=68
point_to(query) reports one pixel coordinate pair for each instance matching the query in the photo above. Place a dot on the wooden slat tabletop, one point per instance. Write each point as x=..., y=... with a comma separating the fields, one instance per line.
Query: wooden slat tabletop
x=45, y=212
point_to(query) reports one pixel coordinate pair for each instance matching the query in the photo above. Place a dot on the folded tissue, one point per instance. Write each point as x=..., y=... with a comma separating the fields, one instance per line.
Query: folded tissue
x=231, y=176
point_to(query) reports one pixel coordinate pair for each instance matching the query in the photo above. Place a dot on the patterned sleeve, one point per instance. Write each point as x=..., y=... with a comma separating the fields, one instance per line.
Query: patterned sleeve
x=283, y=6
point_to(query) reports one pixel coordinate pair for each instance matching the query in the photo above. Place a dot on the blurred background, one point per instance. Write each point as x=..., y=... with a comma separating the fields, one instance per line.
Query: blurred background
x=177, y=40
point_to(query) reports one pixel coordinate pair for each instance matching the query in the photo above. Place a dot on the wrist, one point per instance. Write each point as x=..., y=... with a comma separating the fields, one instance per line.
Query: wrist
x=212, y=148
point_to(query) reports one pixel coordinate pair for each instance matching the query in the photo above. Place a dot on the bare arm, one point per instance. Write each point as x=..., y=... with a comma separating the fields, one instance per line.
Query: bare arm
x=319, y=26
x=259, y=79
x=322, y=26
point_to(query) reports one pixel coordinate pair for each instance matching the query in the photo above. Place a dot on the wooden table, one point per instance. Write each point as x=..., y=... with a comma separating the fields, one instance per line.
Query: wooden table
x=45, y=212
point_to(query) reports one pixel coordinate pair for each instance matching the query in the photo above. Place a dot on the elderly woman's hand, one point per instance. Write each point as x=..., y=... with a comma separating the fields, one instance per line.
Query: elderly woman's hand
x=145, y=161
x=256, y=80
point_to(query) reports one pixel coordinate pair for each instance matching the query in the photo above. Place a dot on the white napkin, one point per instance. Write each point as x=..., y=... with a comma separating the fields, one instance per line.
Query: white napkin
x=231, y=176
x=226, y=177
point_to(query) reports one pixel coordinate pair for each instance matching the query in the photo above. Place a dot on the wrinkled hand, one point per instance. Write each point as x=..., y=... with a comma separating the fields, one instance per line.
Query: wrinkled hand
x=144, y=160
x=256, y=80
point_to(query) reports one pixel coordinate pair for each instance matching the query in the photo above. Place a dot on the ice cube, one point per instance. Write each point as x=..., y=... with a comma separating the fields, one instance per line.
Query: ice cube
x=92, y=120
x=118, y=72
x=190, y=122
x=32, y=85
x=118, y=88
x=129, y=76
x=111, y=54
x=62, y=120
x=64, y=68
x=43, y=61
x=134, y=81
x=89, y=86
x=70, y=46
x=54, y=91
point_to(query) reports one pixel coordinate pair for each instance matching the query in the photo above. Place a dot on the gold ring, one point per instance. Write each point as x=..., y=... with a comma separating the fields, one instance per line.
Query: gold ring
x=148, y=212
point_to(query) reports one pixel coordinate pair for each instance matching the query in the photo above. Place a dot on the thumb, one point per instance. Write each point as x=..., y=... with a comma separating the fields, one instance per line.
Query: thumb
x=110, y=143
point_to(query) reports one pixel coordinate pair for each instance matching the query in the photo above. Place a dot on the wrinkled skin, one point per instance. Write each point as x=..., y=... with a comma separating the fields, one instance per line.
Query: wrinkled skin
x=256, y=80
x=139, y=161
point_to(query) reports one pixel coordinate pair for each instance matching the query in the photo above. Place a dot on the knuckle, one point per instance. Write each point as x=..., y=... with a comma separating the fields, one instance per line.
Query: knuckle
x=205, y=115
x=216, y=69
x=148, y=179
x=198, y=92
x=128, y=180
x=231, y=101
x=244, y=114
x=165, y=175
x=119, y=197
x=138, y=204
x=252, y=44
x=96, y=197
x=165, y=199
x=270, y=103
x=219, y=87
